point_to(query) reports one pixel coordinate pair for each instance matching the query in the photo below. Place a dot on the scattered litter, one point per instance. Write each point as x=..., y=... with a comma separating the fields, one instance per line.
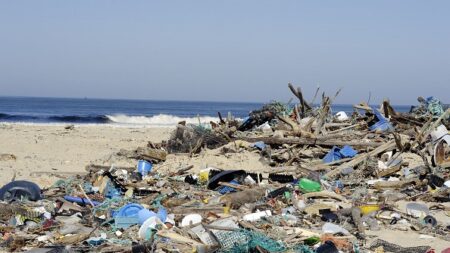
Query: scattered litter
x=332, y=178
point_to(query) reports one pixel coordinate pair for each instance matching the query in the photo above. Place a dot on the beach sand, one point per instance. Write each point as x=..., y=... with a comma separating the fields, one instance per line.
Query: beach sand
x=45, y=153
x=41, y=149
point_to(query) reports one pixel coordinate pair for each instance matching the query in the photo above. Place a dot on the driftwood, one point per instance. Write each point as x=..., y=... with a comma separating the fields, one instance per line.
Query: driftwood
x=182, y=170
x=178, y=238
x=429, y=126
x=298, y=93
x=396, y=184
x=346, y=128
x=324, y=194
x=363, y=106
x=389, y=171
x=326, y=105
x=96, y=168
x=152, y=153
x=296, y=129
x=74, y=239
x=310, y=141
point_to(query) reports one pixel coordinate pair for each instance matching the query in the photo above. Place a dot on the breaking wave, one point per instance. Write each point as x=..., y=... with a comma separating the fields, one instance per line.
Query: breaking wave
x=116, y=119
x=158, y=120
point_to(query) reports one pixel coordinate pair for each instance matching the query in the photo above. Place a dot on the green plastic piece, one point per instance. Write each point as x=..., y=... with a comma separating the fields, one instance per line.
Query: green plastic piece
x=312, y=240
x=309, y=186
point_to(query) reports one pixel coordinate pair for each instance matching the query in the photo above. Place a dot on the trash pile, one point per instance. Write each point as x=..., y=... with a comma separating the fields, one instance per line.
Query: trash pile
x=334, y=178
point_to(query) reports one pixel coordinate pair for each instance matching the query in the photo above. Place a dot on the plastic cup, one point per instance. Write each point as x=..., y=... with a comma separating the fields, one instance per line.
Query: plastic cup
x=144, y=167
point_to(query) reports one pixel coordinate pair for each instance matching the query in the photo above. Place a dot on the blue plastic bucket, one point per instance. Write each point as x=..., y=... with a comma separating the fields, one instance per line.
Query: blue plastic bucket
x=129, y=210
x=144, y=167
x=144, y=214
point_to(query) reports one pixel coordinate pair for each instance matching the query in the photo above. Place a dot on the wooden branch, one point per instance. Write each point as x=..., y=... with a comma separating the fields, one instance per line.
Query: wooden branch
x=152, y=153
x=322, y=115
x=296, y=129
x=298, y=93
x=310, y=141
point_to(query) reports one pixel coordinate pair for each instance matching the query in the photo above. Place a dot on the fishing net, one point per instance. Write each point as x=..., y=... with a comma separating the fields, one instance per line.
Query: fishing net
x=189, y=139
x=435, y=107
x=267, y=113
x=69, y=185
x=246, y=241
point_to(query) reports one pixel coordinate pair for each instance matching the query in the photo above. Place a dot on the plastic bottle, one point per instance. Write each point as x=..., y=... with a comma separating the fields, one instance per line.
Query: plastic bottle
x=309, y=186
x=417, y=210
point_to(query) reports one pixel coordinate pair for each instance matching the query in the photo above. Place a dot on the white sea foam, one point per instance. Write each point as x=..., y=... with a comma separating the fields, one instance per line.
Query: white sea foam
x=158, y=120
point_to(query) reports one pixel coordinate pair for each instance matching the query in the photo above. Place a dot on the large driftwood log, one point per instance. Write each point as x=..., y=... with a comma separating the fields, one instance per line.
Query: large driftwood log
x=152, y=153
x=311, y=141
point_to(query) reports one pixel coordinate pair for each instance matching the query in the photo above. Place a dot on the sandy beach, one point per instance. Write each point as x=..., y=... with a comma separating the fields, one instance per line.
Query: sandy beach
x=44, y=152
x=41, y=150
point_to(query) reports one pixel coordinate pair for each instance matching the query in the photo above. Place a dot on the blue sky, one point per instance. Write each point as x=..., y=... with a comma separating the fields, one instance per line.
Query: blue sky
x=225, y=50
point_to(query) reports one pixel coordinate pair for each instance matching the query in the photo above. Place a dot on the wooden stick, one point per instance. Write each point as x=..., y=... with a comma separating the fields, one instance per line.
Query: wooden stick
x=345, y=128
x=235, y=186
x=85, y=195
x=311, y=141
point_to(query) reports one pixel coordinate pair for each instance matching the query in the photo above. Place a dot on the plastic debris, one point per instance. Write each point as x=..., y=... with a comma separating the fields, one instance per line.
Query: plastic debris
x=319, y=182
x=339, y=153
x=309, y=186
x=17, y=190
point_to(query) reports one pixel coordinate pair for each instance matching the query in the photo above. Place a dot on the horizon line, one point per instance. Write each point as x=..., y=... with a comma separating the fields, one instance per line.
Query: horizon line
x=172, y=100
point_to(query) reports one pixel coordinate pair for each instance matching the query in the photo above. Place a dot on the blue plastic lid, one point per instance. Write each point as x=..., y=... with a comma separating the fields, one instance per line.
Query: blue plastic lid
x=129, y=210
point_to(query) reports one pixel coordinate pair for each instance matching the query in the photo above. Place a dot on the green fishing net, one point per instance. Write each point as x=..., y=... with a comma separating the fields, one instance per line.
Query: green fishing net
x=244, y=241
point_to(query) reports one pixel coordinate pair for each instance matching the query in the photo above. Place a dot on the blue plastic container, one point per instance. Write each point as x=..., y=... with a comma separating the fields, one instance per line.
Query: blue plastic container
x=144, y=167
x=144, y=214
x=125, y=222
x=127, y=215
x=129, y=210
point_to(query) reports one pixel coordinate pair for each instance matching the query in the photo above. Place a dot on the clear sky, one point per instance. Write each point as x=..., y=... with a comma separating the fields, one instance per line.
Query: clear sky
x=225, y=50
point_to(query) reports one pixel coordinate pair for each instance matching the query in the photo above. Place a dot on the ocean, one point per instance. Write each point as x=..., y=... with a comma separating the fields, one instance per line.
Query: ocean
x=33, y=110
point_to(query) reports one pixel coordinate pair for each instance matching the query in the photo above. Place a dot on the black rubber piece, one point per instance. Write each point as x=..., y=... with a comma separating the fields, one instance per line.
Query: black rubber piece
x=190, y=180
x=281, y=178
x=430, y=220
x=329, y=216
x=436, y=181
x=16, y=190
x=278, y=192
x=224, y=176
x=254, y=176
x=327, y=247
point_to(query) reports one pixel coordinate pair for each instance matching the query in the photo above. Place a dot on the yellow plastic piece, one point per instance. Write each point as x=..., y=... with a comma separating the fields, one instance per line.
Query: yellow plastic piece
x=365, y=209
